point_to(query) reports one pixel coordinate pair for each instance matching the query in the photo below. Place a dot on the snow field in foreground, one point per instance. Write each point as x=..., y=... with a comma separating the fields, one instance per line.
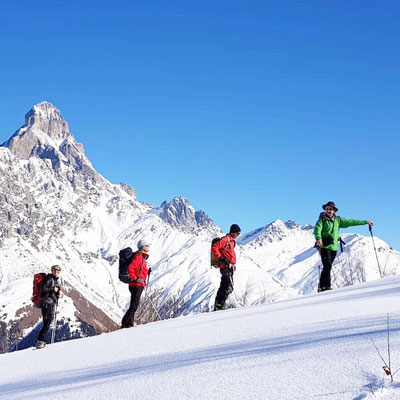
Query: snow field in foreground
x=312, y=347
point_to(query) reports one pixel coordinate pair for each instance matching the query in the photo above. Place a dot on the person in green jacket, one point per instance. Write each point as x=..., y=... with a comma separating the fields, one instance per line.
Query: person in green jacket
x=326, y=234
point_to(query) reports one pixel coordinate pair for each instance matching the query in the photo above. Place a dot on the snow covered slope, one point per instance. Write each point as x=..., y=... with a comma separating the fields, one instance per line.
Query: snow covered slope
x=314, y=346
x=55, y=208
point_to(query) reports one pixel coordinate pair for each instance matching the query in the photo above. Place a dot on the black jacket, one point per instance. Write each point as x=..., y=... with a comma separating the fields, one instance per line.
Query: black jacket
x=47, y=293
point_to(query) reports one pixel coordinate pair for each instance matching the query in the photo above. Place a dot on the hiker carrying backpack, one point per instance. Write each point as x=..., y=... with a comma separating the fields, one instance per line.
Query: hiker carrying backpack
x=223, y=256
x=137, y=272
x=216, y=261
x=50, y=292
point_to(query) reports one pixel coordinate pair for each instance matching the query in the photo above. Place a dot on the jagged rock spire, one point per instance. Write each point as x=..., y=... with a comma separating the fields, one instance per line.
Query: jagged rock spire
x=46, y=134
x=48, y=119
x=180, y=214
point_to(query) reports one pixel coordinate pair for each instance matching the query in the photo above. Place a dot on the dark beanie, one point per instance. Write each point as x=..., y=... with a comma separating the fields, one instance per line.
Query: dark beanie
x=234, y=229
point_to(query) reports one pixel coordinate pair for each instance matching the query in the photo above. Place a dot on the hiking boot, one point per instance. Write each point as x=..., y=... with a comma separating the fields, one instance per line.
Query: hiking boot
x=217, y=307
x=323, y=288
x=40, y=344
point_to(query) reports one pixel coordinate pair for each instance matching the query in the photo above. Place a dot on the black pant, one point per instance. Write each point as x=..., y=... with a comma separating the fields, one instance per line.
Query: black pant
x=226, y=286
x=129, y=317
x=327, y=257
x=48, y=315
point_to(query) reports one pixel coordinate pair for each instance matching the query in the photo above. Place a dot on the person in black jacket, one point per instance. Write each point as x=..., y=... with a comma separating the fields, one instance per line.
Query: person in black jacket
x=50, y=293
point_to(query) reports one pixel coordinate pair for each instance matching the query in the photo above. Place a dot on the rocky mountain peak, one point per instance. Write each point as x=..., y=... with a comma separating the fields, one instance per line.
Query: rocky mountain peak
x=47, y=118
x=180, y=214
x=46, y=134
x=43, y=111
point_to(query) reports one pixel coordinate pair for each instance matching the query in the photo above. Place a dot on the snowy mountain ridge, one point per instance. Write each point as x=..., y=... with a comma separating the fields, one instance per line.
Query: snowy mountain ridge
x=56, y=208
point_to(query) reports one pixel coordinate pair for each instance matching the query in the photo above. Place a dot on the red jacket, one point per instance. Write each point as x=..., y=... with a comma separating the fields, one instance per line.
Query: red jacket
x=219, y=247
x=138, y=269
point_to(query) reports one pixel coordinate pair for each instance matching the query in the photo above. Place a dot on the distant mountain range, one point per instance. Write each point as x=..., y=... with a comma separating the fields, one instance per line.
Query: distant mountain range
x=57, y=209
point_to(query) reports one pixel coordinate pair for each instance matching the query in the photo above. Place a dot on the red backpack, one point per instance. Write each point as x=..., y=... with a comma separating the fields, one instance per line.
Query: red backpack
x=37, y=288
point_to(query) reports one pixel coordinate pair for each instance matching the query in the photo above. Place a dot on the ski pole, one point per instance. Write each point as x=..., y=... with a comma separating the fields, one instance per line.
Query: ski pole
x=376, y=254
x=152, y=304
x=53, y=333
x=148, y=297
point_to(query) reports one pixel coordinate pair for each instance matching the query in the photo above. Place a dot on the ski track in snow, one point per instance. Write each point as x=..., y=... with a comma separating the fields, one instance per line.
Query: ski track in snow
x=310, y=347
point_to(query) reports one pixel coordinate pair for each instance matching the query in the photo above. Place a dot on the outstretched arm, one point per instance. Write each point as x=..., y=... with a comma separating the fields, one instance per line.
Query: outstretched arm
x=345, y=223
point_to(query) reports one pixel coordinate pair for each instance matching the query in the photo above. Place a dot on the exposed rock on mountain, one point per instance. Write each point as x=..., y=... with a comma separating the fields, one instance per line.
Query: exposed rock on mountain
x=181, y=215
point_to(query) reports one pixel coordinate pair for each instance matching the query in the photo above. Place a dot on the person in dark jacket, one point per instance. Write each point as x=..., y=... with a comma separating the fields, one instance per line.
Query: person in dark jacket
x=224, y=251
x=326, y=233
x=137, y=271
x=50, y=293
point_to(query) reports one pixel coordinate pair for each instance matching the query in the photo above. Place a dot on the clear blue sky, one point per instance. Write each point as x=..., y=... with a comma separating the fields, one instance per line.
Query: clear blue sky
x=253, y=110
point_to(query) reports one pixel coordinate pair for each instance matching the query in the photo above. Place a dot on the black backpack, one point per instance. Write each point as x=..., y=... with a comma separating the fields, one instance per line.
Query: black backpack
x=125, y=258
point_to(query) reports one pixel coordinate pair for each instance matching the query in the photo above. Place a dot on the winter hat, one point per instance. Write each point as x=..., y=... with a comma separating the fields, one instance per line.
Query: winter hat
x=235, y=229
x=55, y=268
x=330, y=204
x=143, y=243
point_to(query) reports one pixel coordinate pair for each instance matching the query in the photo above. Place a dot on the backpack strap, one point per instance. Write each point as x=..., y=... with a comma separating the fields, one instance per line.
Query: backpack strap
x=141, y=267
x=324, y=218
x=226, y=247
x=139, y=280
x=227, y=244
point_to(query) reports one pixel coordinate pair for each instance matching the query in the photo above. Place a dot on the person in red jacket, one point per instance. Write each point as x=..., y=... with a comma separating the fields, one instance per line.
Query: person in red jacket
x=224, y=251
x=138, y=272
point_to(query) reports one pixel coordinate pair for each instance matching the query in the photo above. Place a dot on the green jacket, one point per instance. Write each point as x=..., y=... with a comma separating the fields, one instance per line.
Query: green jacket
x=328, y=228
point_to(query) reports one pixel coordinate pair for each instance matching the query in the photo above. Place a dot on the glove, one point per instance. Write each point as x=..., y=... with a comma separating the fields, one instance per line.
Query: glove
x=48, y=301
